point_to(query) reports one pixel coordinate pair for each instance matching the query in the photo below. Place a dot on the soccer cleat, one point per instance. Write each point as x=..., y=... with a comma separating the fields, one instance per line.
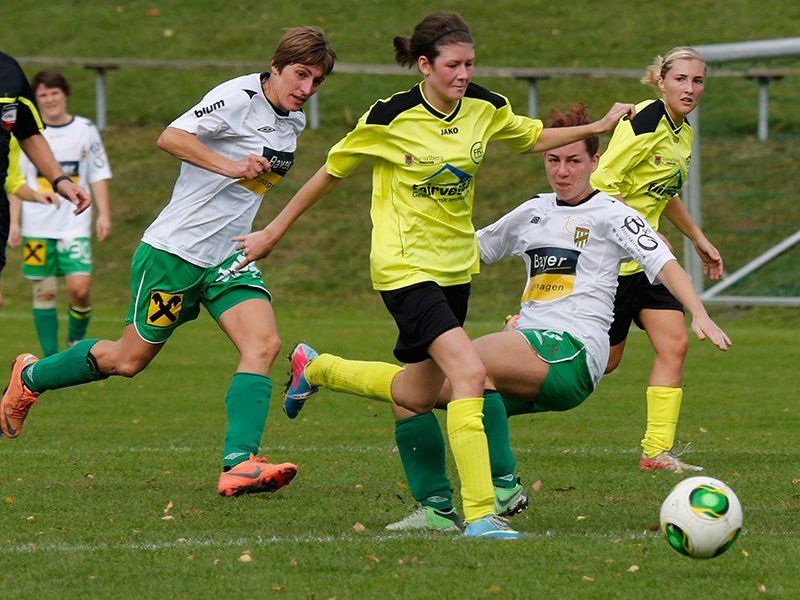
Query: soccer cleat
x=510, y=501
x=255, y=475
x=17, y=398
x=491, y=526
x=427, y=518
x=668, y=460
x=298, y=390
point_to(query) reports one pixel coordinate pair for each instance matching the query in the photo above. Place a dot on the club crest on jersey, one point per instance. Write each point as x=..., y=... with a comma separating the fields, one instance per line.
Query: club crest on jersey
x=581, y=236
x=657, y=160
x=9, y=116
x=164, y=308
x=409, y=160
x=476, y=152
x=552, y=274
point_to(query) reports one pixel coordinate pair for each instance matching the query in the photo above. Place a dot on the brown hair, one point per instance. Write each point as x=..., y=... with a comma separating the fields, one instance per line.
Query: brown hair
x=661, y=65
x=50, y=79
x=575, y=116
x=306, y=46
x=430, y=35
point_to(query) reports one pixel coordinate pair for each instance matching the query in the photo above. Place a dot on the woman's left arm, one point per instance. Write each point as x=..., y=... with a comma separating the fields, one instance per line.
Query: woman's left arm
x=676, y=212
x=555, y=137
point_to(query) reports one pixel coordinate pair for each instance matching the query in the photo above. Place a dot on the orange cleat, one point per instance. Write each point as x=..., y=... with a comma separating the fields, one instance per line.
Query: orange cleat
x=17, y=398
x=255, y=475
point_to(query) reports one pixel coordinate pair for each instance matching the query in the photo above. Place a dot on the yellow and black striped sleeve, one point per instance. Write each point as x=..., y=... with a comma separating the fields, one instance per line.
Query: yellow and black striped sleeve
x=630, y=145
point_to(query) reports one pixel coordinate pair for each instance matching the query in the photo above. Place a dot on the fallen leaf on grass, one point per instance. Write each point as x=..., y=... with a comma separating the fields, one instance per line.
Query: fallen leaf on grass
x=633, y=569
x=762, y=588
x=169, y=507
x=494, y=589
x=372, y=558
x=167, y=518
x=278, y=588
x=9, y=499
x=359, y=528
x=217, y=562
x=587, y=578
x=246, y=557
x=359, y=487
x=745, y=553
x=537, y=485
x=153, y=11
x=181, y=540
x=703, y=430
x=581, y=517
x=401, y=485
x=293, y=562
x=31, y=519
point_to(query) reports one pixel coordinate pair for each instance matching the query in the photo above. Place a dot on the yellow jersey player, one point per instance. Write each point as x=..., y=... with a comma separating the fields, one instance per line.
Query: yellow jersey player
x=645, y=165
x=427, y=145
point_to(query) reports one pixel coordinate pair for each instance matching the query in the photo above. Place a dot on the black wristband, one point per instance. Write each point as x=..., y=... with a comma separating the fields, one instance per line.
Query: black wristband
x=58, y=180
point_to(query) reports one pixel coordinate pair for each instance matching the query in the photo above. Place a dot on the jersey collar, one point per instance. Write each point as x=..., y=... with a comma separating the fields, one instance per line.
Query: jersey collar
x=433, y=111
x=676, y=129
x=589, y=197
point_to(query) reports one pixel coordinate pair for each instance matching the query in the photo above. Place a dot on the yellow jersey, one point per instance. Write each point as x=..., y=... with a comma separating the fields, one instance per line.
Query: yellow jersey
x=14, y=179
x=646, y=163
x=423, y=174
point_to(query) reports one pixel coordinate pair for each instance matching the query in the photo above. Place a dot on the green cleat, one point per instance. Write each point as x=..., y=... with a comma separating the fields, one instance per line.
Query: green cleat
x=510, y=501
x=427, y=518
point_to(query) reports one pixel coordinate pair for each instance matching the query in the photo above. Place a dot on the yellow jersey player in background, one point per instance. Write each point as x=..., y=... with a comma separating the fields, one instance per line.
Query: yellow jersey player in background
x=427, y=145
x=646, y=164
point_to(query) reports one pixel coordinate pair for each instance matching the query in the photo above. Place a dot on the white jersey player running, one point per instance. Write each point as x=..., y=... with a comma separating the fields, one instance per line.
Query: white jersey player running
x=234, y=146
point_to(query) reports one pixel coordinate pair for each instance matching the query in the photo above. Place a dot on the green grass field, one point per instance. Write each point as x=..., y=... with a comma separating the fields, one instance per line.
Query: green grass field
x=85, y=491
x=86, y=488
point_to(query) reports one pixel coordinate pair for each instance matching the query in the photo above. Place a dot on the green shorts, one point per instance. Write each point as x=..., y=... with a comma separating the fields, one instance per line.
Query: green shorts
x=568, y=382
x=47, y=257
x=167, y=291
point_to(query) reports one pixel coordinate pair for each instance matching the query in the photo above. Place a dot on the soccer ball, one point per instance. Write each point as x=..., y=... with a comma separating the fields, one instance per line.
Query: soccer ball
x=701, y=517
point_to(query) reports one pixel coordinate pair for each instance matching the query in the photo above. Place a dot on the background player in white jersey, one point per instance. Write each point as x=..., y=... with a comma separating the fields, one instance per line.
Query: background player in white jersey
x=572, y=242
x=56, y=242
x=234, y=146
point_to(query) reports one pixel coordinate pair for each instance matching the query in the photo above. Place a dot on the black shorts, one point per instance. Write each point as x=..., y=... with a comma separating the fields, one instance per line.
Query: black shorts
x=423, y=312
x=4, y=221
x=635, y=293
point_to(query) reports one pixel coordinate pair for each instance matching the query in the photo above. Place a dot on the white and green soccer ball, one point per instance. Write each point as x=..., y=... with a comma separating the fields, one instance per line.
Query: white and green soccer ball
x=701, y=517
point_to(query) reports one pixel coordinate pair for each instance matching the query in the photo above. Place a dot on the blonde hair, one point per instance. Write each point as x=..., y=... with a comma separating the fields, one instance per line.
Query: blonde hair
x=662, y=64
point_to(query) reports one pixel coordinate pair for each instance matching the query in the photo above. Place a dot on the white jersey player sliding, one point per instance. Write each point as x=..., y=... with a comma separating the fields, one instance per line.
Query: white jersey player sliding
x=572, y=242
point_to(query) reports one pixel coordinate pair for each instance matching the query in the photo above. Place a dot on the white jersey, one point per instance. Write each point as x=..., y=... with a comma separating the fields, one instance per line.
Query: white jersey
x=572, y=256
x=208, y=210
x=79, y=151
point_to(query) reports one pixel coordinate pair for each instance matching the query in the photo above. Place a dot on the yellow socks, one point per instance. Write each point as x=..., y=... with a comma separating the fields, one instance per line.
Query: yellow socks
x=368, y=379
x=471, y=452
x=663, y=408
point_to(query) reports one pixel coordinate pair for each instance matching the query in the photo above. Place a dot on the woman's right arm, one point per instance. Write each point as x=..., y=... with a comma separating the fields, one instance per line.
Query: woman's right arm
x=259, y=244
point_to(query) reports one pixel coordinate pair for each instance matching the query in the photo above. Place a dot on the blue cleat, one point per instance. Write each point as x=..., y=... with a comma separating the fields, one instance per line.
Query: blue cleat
x=298, y=390
x=491, y=526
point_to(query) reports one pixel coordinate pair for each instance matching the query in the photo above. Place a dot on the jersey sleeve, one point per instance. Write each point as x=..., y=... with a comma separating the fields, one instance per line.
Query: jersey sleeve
x=637, y=240
x=27, y=121
x=625, y=150
x=99, y=169
x=517, y=132
x=501, y=238
x=14, y=179
x=218, y=114
x=363, y=141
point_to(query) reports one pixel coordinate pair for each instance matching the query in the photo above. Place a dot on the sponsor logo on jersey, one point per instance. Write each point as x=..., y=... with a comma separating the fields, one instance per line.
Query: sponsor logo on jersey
x=164, y=308
x=448, y=183
x=409, y=160
x=666, y=188
x=281, y=163
x=638, y=227
x=552, y=273
x=34, y=253
x=581, y=236
x=476, y=152
x=449, y=130
x=207, y=110
x=428, y=159
x=9, y=116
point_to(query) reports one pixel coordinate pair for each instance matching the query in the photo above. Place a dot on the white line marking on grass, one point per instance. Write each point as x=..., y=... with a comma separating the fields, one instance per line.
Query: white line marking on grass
x=332, y=448
x=279, y=540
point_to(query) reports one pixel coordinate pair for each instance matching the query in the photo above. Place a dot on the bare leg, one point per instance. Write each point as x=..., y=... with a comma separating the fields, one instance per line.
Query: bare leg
x=252, y=329
x=127, y=356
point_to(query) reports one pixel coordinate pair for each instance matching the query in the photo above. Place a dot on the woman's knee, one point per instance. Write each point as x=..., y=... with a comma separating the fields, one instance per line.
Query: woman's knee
x=129, y=366
x=262, y=351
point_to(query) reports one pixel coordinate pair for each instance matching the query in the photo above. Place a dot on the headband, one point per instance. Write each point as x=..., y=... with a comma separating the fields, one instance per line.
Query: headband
x=448, y=32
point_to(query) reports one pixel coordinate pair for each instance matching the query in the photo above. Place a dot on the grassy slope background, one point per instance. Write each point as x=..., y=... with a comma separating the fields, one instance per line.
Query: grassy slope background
x=84, y=491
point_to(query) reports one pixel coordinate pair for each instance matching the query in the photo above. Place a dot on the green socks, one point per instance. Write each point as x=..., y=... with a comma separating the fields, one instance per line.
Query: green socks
x=78, y=323
x=73, y=366
x=495, y=424
x=421, y=446
x=247, y=405
x=46, y=322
